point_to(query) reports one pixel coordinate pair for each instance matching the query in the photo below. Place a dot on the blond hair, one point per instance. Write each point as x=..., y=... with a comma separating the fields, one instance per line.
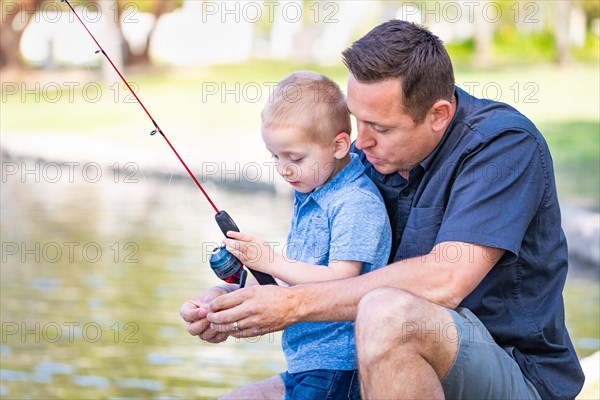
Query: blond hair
x=308, y=101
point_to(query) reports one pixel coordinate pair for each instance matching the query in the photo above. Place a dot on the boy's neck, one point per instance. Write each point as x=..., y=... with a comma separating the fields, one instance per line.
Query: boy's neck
x=339, y=165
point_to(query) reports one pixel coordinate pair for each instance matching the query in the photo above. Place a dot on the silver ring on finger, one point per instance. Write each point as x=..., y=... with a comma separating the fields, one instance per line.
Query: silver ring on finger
x=236, y=326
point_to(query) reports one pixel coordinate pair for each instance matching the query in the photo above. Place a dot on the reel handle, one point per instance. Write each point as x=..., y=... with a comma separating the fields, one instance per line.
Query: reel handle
x=226, y=224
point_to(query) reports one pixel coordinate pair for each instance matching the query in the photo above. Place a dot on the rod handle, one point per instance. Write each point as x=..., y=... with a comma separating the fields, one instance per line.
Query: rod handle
x=226, y=224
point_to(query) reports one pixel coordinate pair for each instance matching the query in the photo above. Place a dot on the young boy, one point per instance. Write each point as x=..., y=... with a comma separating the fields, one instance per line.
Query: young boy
x=339, y=228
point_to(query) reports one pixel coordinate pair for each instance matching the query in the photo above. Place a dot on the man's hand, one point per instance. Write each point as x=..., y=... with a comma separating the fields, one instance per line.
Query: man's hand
x=194, y=313
x=256, y=310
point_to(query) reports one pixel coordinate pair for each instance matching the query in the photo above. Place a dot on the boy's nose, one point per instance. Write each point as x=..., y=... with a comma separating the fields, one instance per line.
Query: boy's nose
x=285, y=170
x=289, y=171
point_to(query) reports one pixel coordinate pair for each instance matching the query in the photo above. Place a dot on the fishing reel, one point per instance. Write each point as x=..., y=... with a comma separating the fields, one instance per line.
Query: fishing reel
x=225, y=265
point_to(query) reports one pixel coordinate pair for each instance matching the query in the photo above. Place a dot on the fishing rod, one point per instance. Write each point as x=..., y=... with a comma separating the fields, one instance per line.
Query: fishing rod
x=223, y=263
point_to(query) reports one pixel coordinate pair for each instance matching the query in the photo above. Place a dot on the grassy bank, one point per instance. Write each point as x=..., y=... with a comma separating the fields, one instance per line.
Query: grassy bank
x=226, y=101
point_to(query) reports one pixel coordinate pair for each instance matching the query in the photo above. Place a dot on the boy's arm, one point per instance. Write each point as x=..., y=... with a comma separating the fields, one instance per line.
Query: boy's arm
x=296, y=272
x=257, y=255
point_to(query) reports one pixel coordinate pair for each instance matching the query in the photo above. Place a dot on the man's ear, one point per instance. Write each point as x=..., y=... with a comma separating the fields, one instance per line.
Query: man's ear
x=440, y=115
x=341, y=145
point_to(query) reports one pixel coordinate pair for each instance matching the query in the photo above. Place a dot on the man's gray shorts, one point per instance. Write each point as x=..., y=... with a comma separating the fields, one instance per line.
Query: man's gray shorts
x=482, y=369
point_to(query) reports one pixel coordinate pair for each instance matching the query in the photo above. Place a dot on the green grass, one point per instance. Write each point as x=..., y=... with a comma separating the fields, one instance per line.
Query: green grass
x=216, y=99
x=226, y=100
x=575, y=147
x=583, y=312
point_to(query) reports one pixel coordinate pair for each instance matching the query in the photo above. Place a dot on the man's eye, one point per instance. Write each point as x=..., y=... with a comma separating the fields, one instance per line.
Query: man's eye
x=297, y=159
x=379, y=129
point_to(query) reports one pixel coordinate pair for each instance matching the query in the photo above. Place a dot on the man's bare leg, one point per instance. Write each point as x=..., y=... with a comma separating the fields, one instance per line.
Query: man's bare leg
x=269, y=389
x=405, y=345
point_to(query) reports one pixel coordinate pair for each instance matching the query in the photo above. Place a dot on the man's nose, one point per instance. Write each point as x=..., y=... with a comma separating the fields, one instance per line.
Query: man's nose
x=363, y=139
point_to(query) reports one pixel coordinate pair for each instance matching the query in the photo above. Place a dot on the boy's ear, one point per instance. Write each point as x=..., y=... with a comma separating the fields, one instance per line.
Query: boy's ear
x=341, y=145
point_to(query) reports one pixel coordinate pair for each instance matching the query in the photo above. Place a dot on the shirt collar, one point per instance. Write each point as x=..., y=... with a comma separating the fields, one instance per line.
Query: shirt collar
x=458, y=115
x=349, y=173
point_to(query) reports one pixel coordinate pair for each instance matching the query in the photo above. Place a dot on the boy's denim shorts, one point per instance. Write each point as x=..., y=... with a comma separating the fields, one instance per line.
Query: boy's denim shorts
x=482, y=369
x=322, y=384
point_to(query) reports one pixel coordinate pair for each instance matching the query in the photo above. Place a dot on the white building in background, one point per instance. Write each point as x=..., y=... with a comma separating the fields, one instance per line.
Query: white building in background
x=136, y=30
x=212, y=32
x=284, y=29
x=203, y=33
x=340, y=21
x=56, y=38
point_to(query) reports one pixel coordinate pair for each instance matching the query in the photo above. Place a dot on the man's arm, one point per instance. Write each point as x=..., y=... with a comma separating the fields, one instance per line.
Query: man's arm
x=441, y=277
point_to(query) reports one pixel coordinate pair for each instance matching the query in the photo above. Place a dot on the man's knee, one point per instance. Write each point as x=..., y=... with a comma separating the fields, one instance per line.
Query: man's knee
x=394, y=323
x=380, y=316
x=387, y=307
x=398, y=317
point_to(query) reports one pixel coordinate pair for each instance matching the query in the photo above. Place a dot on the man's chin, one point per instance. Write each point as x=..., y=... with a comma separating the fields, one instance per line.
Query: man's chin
x=384, y=169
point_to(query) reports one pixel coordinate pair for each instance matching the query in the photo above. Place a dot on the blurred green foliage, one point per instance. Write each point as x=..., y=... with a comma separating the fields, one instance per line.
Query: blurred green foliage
x=511, y=47
x=525, y=34
x=149, y=5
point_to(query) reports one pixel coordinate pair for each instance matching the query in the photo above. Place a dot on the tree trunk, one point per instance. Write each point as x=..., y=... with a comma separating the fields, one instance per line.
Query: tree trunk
x=14, y=13
x=483, y=36
x=158, y=8
x=561, y=32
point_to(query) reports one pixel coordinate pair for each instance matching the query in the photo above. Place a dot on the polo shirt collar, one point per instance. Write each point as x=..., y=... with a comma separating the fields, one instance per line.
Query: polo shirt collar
x=458, y=115
x=349, y=173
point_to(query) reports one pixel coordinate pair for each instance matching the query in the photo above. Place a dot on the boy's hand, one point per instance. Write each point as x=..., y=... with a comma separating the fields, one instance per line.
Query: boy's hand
x=252, y=252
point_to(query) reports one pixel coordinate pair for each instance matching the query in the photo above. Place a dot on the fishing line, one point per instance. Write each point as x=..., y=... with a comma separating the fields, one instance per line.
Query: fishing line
x=225, y=266
x=101, y=50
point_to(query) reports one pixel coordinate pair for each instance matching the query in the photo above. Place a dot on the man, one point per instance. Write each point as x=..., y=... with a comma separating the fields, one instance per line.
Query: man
x=472, y=305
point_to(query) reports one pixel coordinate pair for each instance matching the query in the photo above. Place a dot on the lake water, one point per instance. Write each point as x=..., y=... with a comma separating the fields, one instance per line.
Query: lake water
x=93, y=275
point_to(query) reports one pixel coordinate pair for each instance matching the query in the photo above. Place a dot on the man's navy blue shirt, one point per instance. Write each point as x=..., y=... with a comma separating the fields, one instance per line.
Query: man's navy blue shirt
x=490, y=182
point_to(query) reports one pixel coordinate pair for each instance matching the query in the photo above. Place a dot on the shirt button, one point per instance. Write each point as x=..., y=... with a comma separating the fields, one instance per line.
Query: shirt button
x=406, y=193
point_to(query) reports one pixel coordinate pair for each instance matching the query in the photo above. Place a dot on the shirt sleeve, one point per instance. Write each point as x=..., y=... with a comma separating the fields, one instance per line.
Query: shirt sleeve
x=496, y=193
x=360, y=229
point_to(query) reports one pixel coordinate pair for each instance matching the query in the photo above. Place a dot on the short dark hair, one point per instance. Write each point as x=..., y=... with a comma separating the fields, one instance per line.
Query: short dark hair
x=401, y=49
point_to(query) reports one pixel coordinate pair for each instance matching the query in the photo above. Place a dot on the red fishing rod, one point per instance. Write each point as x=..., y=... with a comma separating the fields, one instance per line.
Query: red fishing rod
x=223, y=263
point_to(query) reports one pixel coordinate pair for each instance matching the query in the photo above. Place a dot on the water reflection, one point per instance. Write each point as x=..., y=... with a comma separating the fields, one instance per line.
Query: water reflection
x=93, y=276
x=92, y=279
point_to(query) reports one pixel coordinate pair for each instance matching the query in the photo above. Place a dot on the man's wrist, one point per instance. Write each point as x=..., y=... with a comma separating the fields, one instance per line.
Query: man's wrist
x=298, y=308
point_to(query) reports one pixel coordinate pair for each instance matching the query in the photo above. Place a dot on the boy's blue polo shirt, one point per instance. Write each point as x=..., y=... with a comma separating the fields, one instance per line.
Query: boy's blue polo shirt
x=345, y=219
x=490, y=182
